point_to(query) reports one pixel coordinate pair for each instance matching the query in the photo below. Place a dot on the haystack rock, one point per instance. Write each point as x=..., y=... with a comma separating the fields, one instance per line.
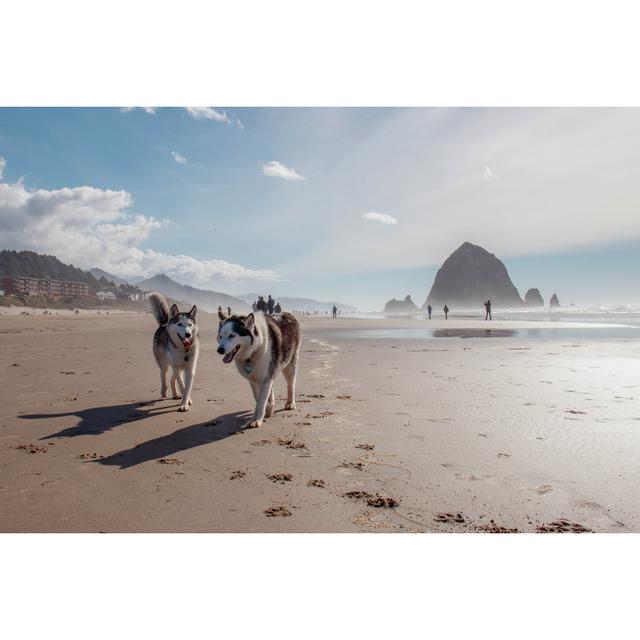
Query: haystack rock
x=554, y=302
x=533, y=298
x=471, y=275
x=400, y=306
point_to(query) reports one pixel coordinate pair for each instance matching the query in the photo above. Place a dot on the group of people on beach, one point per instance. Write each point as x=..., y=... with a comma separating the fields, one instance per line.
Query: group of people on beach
x=269, y=305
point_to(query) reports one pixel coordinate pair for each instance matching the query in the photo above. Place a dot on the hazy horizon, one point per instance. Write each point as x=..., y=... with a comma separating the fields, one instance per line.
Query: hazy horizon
x=354, y=205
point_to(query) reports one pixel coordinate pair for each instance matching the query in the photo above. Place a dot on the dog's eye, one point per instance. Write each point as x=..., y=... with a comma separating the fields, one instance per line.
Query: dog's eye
x=180, y=324
x=232, y=335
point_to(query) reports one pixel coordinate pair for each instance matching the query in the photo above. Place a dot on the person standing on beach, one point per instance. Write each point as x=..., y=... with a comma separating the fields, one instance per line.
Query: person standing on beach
x=277, y=308
x=446, y=312
x=487, y=308
x=429, y=310
x=334, y=311
x=261, y=305
x=270, y=303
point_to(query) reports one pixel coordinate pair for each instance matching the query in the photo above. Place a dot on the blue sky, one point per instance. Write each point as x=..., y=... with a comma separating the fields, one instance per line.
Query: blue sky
x=248, y=199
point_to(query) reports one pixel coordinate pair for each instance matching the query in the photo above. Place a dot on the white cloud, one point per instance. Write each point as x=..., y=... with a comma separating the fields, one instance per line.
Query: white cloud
x=91, y=227
x=208, y=113
x=382, y=218
x=149, y=110
x=276, y=170
x=3, y=164
x=180, y=159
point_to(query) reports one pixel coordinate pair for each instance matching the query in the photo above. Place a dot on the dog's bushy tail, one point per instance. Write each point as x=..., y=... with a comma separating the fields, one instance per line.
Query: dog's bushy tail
x=159, y=307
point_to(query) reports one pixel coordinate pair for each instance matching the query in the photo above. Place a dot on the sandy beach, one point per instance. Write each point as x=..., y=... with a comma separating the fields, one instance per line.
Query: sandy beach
x=391, y=434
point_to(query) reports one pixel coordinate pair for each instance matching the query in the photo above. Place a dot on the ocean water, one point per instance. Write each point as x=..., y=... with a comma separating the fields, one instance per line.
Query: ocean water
x=627, y=315
x=621, y=322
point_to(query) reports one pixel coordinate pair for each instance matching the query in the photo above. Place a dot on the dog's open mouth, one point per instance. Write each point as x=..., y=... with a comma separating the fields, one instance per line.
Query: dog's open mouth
x=186, y=343
x=231, y=355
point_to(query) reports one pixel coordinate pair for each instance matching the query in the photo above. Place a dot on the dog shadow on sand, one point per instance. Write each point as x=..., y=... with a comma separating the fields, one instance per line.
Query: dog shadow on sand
x=97, y=420
x=195, y=435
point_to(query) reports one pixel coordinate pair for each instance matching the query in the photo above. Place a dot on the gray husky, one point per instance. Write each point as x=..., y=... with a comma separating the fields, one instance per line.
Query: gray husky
x=262, y=346
x=175, y=345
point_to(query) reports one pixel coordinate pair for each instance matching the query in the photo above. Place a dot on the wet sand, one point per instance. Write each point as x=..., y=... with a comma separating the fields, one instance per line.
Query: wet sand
x=390, y=435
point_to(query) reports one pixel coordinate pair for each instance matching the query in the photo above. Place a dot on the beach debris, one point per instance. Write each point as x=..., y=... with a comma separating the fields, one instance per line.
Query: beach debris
x=170, y=461
x=493, y=527
x=352, y=465
x=280, y=477
x=316, y=483
x=291, y=443
x=343, y=397
x=31, y=448
x=543, y=488
x=357, y=495
x=562, y=526
x=274, y=512
x=237, y=474
x=366, y=446
x=90, y=456
x=504, y=455
x=576, y=412
x=261, y=443
x=68, y=373
x=382, y=501
x=450, y=517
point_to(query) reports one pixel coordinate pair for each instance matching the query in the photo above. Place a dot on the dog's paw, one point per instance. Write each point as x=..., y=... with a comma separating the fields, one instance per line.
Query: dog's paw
x=290, y=406
x=183, y=407
x=254, y=424
x=163, y=395
x=269, y=412
x=190, y=401
x=177, y=396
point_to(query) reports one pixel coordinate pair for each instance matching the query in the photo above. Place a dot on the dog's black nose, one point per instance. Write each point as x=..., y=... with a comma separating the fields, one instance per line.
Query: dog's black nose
x=220, y=350
x=187, y=335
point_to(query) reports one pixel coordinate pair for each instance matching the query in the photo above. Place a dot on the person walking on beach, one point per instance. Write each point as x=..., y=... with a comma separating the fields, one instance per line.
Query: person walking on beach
x=261, y=305
x=429, y=310
x=487, y=308
x=334, y=311
x=277, y=308
x=446, y=312
x=270, y=303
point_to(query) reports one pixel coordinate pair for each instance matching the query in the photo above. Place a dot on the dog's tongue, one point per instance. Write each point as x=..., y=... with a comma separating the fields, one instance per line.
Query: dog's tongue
x=186, y=343
x=229, y=357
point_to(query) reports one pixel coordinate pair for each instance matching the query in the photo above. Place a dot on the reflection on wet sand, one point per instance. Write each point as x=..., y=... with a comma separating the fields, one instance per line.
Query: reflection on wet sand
x=474, y=333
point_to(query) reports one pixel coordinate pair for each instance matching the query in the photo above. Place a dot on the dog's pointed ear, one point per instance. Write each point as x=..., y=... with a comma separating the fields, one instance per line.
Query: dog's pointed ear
x=249, y=322
x=221, y=315
x=173, y=312
x=192, y=312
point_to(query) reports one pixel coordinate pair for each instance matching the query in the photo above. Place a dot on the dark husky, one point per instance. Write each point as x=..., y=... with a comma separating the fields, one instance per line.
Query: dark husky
x=175, y=345
x=262, y=346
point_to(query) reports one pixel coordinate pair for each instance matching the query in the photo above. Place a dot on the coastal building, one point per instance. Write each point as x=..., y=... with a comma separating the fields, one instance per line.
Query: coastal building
x=27, y=286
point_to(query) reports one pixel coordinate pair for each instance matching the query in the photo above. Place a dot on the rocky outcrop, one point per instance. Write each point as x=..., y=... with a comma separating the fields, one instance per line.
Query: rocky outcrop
x=554, y=302
x=533, y=298
x=471, y=275
x=401, y=306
